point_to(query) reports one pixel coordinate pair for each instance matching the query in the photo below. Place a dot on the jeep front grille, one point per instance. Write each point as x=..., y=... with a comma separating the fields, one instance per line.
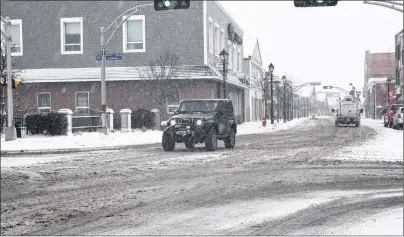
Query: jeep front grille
x=184, y=121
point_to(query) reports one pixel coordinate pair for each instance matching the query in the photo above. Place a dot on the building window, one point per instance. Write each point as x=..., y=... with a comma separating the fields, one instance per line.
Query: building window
x=235, y=63
x=211, y=37
x=82, y=100
x=16, y=37
x=217, y=39
x=240, y=61
x=230, y=46
x=134, y=37
x=221, y=39
x=71, y=35
x=44, y=100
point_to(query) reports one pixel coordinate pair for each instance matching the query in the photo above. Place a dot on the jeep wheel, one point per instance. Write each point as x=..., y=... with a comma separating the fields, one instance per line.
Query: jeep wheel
x=211, y=140
x=230, y=141
x=385, y=125
x=189, y=142
x=168, y=142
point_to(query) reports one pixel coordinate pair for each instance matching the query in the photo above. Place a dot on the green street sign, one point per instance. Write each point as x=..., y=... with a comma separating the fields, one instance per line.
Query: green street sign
x=327, y=87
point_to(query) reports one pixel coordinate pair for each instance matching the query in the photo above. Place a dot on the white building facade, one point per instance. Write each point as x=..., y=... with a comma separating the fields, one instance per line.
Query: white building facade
x=253, y=68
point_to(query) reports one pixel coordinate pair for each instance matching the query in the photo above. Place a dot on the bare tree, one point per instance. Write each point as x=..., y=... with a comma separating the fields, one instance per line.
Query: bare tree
x=263, y=84
x=161, y=72
x=18, y=94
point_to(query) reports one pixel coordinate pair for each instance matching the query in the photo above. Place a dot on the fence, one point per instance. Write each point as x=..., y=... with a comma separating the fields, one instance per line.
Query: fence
x=86, y=119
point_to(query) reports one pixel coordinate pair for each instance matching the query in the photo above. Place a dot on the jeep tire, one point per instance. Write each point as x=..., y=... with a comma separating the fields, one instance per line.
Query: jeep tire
x=211, y=140
x=189, y=142
x=168, y=142
x=230, y=141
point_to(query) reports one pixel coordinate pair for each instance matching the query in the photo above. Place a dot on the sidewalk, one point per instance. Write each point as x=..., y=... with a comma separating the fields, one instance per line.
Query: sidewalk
x=96, y=141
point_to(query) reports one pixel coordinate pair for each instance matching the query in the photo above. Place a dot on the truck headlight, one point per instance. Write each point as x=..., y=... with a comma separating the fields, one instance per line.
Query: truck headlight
x=199, y=122
x=172, y=122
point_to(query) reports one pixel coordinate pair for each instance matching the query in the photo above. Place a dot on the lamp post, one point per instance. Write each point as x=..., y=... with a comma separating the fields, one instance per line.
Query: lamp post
x=271, y=70
x=284, y=98
x=224, y=57
x=388, y=90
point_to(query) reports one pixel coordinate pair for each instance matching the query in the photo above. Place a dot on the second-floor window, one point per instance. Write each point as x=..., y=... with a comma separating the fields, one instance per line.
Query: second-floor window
x=134, y=39
x=44, y=100
x=16, y=37
x=217, y=39
x=71, y=35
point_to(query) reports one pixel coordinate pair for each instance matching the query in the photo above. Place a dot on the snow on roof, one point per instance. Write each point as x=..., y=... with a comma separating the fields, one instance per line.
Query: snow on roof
x=377, y=80
x=118, y=74
x=249, y=45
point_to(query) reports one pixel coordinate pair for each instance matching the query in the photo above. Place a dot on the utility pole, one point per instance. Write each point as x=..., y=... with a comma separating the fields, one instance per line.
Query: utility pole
x=10, y=132
x=118, y=22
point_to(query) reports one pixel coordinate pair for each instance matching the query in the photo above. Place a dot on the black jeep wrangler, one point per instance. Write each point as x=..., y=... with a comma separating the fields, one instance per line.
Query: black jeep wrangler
x=201, y=121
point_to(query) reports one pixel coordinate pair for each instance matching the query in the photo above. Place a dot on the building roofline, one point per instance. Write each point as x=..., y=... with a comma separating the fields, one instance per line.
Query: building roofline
x=229, y=16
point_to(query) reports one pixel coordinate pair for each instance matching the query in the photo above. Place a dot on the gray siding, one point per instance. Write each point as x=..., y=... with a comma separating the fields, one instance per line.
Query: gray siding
x=179, y=31
x=220, y=17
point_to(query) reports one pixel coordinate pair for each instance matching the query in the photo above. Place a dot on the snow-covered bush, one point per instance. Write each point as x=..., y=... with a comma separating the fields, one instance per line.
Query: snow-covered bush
x=50, y=123
x=142, y=118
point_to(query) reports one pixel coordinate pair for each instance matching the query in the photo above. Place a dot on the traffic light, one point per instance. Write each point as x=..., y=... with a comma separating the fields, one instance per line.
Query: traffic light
x=16, y=83
x=327, y=87
x=315, y=3
x=162, y=5
x=3, y=81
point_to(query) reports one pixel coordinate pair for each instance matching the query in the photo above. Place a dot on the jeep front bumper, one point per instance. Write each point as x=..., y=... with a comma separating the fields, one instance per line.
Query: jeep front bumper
x=181, y=132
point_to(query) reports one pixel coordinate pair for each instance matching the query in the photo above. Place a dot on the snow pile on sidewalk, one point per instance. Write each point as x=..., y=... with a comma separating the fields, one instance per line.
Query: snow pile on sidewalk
x=81, y=140
x=99, y=140
x=387, y=146
x=256, y=127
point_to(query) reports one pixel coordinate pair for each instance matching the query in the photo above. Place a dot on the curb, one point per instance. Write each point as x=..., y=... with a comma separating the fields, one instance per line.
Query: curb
x=70, y=150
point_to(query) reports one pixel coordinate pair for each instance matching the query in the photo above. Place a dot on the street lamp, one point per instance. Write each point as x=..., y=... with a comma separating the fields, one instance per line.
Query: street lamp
x=388, y=90
x=374, y=101
x=271, y=70
x=284, y=98
x=224, y=56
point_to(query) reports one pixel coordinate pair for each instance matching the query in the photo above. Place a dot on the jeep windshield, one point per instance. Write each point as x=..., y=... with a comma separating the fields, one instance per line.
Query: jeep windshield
x=197, y=107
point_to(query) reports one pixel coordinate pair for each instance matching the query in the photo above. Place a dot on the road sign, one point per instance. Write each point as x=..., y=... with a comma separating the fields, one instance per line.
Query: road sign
x=327, y=87
x=114, y=57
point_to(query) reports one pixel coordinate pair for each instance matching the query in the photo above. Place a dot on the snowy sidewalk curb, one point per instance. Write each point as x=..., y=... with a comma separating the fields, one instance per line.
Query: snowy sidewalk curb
x=11, y=153
x=88, y=142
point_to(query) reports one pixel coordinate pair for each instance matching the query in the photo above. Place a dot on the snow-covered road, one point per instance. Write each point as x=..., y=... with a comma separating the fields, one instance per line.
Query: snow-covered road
x=285, y=182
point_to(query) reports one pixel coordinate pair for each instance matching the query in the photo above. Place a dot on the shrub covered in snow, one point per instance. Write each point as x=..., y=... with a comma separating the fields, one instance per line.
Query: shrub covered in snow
x=142, y=118
x=50, y=123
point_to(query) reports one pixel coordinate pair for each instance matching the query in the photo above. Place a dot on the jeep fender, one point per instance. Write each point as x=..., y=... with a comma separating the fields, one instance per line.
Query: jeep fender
x=233, y=125
x=210, y=124
x=169, y=129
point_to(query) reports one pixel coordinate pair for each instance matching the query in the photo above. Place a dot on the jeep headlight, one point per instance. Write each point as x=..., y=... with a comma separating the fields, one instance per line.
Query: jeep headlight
x=172, y=122
x=199, y=122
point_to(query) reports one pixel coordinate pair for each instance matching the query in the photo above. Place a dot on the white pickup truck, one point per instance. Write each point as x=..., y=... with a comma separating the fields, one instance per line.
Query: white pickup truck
x=349, y=112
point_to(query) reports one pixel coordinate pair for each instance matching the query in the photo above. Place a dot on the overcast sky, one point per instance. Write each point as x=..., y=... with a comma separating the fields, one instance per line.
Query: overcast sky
x=324, y=44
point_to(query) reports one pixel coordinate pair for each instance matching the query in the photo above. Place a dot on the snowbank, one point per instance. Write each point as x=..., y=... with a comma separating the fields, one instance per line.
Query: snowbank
x=81, y=140
x=256, y=127
x=99, y=140
x=386, y=146
x=389, y=222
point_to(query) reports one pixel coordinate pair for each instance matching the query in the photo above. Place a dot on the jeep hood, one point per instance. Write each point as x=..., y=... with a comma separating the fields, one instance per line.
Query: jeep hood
x=193, y=116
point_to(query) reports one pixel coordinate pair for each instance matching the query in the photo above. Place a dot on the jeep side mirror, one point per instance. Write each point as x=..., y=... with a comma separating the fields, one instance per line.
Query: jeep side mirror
x=176, y=111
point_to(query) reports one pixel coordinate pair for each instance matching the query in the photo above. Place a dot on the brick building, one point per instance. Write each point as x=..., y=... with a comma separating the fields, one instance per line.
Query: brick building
x=56, y=43
x=378, y=68
x=399, y=53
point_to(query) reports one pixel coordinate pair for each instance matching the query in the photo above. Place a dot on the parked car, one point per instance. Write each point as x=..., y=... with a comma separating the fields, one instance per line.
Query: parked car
x=201, y=121
x=389, y=113
x=398, y=118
